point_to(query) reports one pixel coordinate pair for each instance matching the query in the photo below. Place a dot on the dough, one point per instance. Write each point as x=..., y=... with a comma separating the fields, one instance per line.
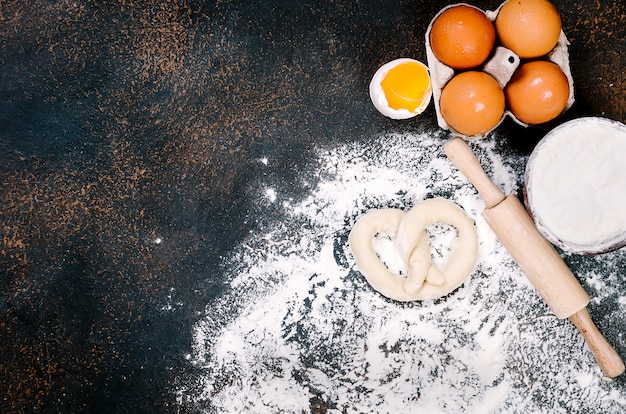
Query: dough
x=462, y=258
x=386, y=221
x=424, y=280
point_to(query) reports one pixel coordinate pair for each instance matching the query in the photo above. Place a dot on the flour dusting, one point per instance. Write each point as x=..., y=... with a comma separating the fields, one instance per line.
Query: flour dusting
x=300, y=330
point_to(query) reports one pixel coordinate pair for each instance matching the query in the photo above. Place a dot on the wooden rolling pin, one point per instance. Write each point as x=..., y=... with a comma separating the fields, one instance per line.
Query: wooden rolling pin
x=535, y=255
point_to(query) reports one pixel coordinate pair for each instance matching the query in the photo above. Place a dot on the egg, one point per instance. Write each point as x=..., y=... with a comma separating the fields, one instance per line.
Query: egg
x=529, y=28
x=538, y=92
x=462, y=37
x=472, y=103
x=401, y=89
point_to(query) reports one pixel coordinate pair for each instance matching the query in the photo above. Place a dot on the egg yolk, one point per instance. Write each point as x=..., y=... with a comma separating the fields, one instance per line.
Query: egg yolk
x=406, y=85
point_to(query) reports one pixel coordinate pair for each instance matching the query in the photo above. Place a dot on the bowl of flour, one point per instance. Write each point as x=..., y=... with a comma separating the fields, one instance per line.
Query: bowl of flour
x=575, y=185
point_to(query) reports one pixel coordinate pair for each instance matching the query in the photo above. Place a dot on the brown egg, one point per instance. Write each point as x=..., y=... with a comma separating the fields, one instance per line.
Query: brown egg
x=472, y=103
x=462, y=37
x=538, y=92
x=530, y=28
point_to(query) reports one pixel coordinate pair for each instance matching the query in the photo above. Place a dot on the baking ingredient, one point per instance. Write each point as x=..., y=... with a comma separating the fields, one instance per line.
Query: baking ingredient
x=472, y=103
x=462, y=37
x=576, y=185
x=405, y=85
x=375, y=259
x=538, y=92
x=421, y=280
x=462, y=256
x=295, y=328
x=401, y=88
x=530, y=28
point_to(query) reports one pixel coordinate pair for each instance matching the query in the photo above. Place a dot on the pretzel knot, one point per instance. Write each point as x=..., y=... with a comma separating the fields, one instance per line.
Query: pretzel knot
x=424, y=280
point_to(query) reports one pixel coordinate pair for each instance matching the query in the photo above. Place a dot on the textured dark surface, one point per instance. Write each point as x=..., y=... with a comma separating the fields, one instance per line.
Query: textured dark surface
x=127, y=123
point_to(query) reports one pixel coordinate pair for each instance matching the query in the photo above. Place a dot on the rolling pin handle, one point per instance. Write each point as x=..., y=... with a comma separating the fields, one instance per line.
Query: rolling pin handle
x=608, y=359
x=463, y=157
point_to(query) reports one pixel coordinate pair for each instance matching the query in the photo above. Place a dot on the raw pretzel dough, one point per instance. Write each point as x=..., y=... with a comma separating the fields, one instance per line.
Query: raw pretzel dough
x=424, y=281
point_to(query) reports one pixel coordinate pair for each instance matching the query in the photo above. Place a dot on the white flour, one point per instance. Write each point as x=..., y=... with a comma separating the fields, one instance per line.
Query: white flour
x=300, y=330
x=578, y=182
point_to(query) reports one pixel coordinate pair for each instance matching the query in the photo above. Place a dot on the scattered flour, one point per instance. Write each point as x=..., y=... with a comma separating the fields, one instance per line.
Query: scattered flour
x=300, y=330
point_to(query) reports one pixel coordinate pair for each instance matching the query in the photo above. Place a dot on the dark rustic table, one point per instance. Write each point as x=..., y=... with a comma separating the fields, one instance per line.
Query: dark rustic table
x=129, y=132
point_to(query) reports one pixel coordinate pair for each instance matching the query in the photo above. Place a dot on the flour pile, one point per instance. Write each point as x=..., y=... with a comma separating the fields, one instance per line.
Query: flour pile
x=300, y=330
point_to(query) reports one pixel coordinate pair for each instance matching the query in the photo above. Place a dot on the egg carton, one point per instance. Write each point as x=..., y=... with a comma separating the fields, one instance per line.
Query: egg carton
x=502, y=65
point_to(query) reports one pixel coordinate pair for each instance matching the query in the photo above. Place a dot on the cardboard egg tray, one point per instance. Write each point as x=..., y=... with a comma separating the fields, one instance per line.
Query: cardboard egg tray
x=501, y=65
